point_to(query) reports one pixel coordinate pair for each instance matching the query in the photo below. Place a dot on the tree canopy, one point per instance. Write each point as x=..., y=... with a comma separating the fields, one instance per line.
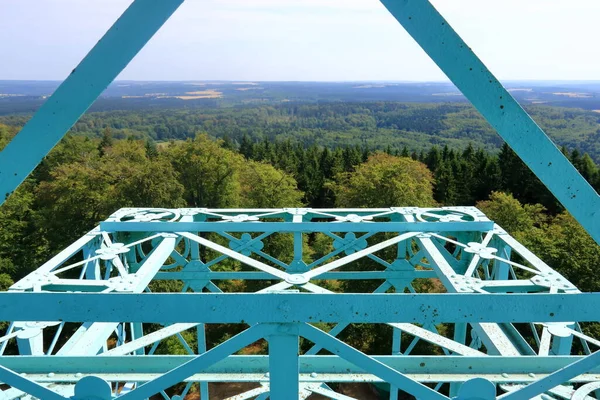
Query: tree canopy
x=385, y=181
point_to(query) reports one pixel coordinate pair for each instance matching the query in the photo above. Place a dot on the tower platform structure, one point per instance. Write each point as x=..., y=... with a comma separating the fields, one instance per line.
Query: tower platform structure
x=88, y=323
x=511, y=323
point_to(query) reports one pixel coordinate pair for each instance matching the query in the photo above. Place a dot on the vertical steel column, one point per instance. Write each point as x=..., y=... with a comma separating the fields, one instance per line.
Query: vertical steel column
x=562, y=340
x=460, y=336
x=283, y=363
x=92, y=268
x=137, y=332
x=396, y=351
x=201, y=334
x=501, y=269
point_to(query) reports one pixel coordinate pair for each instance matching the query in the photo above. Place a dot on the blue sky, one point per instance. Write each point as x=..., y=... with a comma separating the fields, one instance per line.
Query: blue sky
x=324, y=40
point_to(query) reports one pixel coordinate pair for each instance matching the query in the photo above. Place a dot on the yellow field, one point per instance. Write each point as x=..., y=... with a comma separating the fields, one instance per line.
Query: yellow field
x=200, y=94
x=573, y=95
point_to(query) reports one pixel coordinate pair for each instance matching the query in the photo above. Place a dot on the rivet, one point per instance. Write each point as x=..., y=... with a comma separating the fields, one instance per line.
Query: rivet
x=313, y=374
x=78, y=375
x=50, y=374
x=531, y=374
x=267, y=375
x=504, y=375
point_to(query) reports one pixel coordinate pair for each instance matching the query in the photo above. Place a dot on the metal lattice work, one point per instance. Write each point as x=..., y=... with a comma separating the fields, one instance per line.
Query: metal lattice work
x=99, y=324
x=86, y=329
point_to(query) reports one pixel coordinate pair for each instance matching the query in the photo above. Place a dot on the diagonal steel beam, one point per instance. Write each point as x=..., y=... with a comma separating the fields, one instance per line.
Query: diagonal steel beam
x=368, y=363
x=82, y=87
x=554, y=379
x=26, y=385
x=148, y=339
x=494, y=338
x=411, y=329
x=200, y=362
x=446, y=48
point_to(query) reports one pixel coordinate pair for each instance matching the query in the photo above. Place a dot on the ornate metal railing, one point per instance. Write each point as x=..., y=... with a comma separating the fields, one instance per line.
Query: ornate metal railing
x=86, y=325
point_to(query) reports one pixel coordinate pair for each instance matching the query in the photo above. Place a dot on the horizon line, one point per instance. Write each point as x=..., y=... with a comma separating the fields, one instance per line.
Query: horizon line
x=305, y=81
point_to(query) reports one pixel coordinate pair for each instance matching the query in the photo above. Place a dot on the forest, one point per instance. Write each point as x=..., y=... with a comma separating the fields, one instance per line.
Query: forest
x=255, y=158
x=84, y=179
x=375, y=125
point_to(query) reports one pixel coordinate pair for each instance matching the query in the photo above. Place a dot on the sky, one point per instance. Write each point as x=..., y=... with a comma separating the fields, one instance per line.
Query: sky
x=304, y=40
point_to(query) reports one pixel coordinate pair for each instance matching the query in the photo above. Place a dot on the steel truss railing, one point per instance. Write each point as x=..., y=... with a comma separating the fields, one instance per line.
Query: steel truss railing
x=85, y=323
x=80, y=322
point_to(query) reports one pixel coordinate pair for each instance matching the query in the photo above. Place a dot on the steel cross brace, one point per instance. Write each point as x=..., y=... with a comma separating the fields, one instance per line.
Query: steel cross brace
x=81, y=88
x=446, y=48
x=431, y=31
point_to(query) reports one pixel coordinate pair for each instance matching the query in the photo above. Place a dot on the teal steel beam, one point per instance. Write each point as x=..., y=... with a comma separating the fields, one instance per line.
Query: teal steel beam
x=16, y=381
x=446, y=48
x=199, y=362
x=299, y=307
x=360, y=359
x=343, y=275
x=64, y=380
x=555, y=379
x=466, y=226
x=283, y=363
x=81, y=88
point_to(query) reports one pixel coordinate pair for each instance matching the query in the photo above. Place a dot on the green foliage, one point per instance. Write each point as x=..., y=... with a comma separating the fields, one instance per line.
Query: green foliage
x=214, y=176
x=385, y=181
x=5, y=281
x=518, y=179
x=264, y=186
x=510, y=214
x=288, y=157
x=208, y=172
x=6, y=134
x=21, y=244
x=85, y=191
x=376, y=125
x=572, y=252
x=560, y=240
x=173, y=345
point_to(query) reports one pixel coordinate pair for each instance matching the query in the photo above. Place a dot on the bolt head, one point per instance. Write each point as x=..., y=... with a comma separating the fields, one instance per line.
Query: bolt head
x=297, y=279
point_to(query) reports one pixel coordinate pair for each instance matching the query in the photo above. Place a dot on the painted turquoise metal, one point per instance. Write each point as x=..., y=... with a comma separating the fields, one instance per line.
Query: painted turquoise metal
x=514, y=322
x=456, y=59
x=82, y=87
x=485, y=306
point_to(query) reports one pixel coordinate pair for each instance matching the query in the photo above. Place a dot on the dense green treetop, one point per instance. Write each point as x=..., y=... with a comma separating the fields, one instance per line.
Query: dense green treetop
x=385, y=181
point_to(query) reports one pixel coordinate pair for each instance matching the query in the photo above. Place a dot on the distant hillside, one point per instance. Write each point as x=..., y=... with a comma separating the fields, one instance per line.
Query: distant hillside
x=27, y=96
x=376, y=125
